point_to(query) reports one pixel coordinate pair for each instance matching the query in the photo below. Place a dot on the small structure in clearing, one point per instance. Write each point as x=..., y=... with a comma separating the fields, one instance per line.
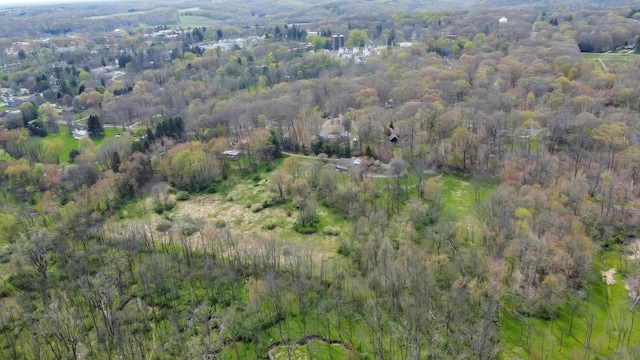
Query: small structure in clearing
x=79, y=134
x=233, y=154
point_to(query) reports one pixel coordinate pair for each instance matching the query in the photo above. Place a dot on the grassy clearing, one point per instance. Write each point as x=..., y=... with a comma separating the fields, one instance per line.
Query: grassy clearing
x=617, y=56
x=312, y=350
x=612, y=59
x=461, y=198
x=233, y=204
x=192, y=21
x=71, y=143
x=605, y=306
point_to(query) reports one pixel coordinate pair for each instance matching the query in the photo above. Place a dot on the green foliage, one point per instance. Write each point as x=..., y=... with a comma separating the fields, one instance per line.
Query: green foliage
x=357, y=38
x=28, y=111
x=276, y=143
x=306, y=224
x=9, y=228
x=189, y=226
x=94, y=127
x=172, y=127
x=270, y=226
x=330, y=230
x=331, y=147
x=182, y=196
x=256, y=208
x=369, y=153
x=161, y=208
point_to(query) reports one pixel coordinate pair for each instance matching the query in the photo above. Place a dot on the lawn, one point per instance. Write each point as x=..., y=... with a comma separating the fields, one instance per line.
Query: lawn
x=71, y=143
x=610, y=60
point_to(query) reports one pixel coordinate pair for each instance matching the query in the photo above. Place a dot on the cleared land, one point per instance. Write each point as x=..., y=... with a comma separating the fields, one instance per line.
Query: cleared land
x=70, y=143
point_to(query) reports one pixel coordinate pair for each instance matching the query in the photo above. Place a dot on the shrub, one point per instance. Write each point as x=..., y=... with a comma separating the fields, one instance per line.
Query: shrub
x=163, y=225
x=305, y=230
x=189, y=227
x=270, y=226
x=220, y=224
x=330, y=230
x=168, y=216
x=183, y=196
x=309, y=228
x=256, y=208
x=5, y=254
x=344, y=249
x=161, y=208
x=270, y=201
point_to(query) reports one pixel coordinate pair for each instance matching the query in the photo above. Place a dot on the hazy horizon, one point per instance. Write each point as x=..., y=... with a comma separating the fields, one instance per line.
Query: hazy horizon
x=22, y=3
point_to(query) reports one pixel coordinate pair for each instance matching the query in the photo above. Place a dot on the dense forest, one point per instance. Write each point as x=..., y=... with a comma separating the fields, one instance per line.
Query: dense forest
x=181, y=182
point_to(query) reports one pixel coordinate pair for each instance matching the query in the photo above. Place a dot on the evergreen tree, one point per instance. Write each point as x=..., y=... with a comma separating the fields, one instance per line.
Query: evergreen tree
x=115, y=162
x=73, y=154
x=276, y=150
x=94, y=126
x=170, y=127
x=369, y=152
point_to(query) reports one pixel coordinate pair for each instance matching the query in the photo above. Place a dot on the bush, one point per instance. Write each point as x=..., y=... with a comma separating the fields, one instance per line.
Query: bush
x=163, y=225
x=305, y=230
x=220, y=224
x=5, y=254
x=270, y=201
x=270, y=226
x=161, y=208
x=344, y=249
x=330, y=230
x=189, y=227
x=168, y=216
x=256, y=208
x=310, y=228
x=183, y=196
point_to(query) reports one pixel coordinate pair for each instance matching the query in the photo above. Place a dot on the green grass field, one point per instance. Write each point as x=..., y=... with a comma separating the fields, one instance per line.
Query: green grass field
x=191, y=21
x=613, y=60
x=71, y=143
